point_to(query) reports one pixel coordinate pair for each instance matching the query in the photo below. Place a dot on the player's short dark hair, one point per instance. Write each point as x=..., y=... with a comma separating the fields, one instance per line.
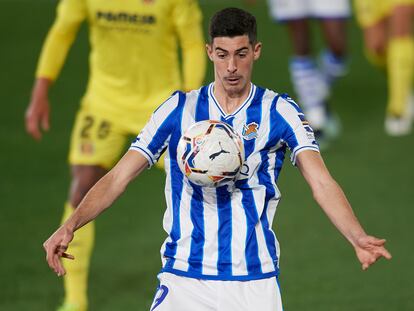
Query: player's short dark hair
x=232, y=22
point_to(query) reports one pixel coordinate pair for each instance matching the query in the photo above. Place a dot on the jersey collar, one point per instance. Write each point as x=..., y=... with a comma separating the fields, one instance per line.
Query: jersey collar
x=245, y=103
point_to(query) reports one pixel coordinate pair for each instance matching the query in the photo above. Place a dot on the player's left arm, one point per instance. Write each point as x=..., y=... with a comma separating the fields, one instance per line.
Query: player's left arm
x=97, y=200
x=329, y=195
x=187, y=19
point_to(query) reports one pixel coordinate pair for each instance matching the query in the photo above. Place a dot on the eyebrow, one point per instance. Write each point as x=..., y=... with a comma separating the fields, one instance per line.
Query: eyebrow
x=238, y=50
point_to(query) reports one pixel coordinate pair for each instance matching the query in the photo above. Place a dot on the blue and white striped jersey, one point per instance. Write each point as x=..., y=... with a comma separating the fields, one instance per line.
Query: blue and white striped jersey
x=225, y=233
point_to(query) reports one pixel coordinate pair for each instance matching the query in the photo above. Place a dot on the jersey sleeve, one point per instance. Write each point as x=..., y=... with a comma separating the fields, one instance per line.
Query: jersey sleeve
x=188, y=23
x=155, y=136
x=297, y=133
x=69, y=16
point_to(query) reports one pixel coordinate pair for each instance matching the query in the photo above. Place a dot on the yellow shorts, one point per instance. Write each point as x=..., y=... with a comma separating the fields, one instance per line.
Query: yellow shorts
x=370, y=12
x=98, y=139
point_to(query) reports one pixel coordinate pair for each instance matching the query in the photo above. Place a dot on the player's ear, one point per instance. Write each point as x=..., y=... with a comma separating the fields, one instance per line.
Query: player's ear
x=257, y=49
x=209, y=49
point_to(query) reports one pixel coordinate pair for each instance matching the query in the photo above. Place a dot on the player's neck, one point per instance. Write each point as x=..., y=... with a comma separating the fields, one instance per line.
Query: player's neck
x=230, y=100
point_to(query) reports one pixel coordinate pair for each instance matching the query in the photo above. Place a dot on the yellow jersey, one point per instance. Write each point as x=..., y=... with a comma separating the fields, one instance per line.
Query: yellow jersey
x=134, y=59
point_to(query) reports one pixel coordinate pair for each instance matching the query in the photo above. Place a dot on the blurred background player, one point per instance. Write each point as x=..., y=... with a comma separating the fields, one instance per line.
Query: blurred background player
x=312, y=76
x=134, y=65
x=389, y=43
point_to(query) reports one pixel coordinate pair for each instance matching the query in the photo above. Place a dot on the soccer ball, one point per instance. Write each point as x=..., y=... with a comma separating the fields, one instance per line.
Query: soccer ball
x=210, y=153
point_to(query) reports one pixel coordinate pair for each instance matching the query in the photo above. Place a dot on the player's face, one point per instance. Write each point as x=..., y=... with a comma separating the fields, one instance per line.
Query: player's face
x=233, y=59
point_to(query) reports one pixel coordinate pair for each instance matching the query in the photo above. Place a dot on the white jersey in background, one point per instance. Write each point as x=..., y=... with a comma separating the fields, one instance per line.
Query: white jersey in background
x=281, y=10
x=225, y=233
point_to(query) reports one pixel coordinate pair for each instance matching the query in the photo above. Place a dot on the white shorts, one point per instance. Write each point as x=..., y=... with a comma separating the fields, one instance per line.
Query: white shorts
x=177, y=293
x=282, y=10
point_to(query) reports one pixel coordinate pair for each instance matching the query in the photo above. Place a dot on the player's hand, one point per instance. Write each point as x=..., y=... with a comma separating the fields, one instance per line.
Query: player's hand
x=37, y=113
x=369, y=249
x=56, y=247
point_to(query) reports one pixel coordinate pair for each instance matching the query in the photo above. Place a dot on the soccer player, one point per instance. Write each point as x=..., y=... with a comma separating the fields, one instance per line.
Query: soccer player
x=312, y=78
x=221, y=252
x=389, y=44
x=134, y=65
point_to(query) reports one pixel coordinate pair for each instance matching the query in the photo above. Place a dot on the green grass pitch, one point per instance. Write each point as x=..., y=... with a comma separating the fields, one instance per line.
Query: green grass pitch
x=318, y=268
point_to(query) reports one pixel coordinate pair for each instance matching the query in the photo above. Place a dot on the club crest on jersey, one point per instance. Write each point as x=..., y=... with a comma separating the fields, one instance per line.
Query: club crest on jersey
x=250, y=131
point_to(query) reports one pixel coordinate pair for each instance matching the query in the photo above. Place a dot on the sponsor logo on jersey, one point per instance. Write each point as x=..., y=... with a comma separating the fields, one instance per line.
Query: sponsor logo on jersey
x=305, y=124
x=124, y=17
x=250, y=131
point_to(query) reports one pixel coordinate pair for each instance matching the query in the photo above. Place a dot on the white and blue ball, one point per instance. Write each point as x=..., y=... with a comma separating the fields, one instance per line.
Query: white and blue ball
x=210, y=153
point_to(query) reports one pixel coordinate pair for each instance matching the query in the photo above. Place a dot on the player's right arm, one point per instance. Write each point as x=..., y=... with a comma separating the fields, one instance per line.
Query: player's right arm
x=70, y=15
x=98, y=199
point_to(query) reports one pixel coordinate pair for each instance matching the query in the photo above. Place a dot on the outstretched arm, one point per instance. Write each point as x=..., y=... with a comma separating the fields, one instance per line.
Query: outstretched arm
x=99, y=198
x=329, y=195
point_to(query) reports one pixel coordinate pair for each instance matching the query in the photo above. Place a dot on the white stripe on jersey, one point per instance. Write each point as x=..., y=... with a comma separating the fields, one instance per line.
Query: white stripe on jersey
x=211, y=242
x=184, y=243
x=239, y=231
x=225, y=233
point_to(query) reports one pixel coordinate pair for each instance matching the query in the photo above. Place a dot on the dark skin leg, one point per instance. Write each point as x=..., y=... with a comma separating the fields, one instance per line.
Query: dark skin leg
x=299, y=33
x=398, y=24
x=401, y=21
x=334, y=31
x=83, y=178
x=376, y=37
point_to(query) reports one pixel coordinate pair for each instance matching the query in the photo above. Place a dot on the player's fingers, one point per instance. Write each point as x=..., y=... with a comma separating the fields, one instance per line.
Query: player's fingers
x=32, y=129
x=60, y=270
x=61, y=249
x=59, y=267
x=49, y=253
x=368, y=262
x=45, y=121
x=51, y=260
x=375, y=241
x=68, y=256
x=45, y=245
x=57, y=260
x=56, y=264
x=387, y=254
x=62, y=252
x=383, y=252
